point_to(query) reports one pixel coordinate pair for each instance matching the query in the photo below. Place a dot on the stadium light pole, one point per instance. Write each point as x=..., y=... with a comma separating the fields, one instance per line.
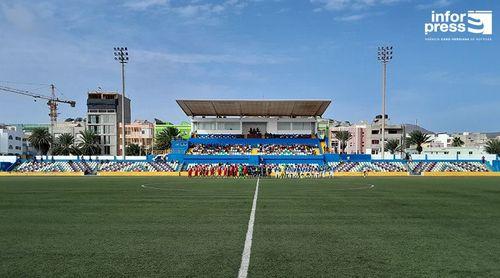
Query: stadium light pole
x=121, y=55
x=384, y=56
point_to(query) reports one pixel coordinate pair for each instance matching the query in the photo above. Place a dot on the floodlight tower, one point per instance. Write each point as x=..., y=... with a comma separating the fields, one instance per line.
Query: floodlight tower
x=384, y=56
x=121, y=55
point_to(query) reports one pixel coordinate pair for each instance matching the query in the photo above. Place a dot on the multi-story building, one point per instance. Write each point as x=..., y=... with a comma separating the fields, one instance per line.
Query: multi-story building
x=439, y=140
x=454, y=151
x=11, y=140
x=27, y=130
x=104, y=113
x=374, y=134
x=366, y=137
x=139, y=133
x=356, y=145
x=472, y=139
x=70, y=126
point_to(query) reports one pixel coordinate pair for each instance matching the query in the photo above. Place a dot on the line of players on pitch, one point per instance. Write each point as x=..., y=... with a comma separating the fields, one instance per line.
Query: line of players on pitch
x=262, y=170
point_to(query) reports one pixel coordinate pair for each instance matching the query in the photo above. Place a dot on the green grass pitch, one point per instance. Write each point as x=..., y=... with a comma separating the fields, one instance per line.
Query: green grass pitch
x=101, y=227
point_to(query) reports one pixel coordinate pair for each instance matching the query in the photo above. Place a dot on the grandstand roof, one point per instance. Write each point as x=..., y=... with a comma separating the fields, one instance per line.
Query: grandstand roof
x=306, y=108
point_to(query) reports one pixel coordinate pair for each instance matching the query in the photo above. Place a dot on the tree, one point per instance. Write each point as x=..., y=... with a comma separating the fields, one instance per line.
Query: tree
x=65, y=145
x=88, y=144
x=343, y=136
x=493, y=146
x=418, y=138
x=392, y=145
x=457, y=142
x=134, y=150
x=164, y=138
x=41, y=140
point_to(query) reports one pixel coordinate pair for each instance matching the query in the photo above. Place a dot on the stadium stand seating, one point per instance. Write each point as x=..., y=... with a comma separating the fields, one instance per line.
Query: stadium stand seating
x=44, y=166
x=141, y=166
x=443, y=166
x=208, y=149
x=295, y=149
x=217, y=136
x=368, y=166
x=91, y=166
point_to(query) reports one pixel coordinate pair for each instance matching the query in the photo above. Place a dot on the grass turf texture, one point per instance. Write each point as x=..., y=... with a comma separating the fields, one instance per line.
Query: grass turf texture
x=96, y=226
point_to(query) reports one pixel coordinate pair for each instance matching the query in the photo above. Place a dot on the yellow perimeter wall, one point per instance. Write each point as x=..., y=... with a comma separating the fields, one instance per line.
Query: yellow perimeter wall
x=41, y=174
x=142, y=174
x=371, y=174
x=461, y=174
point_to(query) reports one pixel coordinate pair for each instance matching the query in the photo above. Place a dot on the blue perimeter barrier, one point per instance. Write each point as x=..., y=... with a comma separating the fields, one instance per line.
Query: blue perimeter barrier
x=4, y=166
x=496, y=165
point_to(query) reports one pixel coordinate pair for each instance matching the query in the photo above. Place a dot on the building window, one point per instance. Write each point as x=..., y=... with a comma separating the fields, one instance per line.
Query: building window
x=375, y=131
x=228, y=126
x=10, y=137
x=458, y=152
x=470, y=152
x=284, y=126
x=375, y=142
x=94, y=119
x=107, y=150
x=206, y=125
x=301, y=126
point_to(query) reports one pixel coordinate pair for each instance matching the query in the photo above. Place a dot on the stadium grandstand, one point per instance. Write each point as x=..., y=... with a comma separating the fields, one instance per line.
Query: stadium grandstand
x=234, y=138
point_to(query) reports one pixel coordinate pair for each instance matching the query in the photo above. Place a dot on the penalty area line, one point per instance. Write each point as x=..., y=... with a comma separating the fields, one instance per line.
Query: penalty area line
x=245, y=257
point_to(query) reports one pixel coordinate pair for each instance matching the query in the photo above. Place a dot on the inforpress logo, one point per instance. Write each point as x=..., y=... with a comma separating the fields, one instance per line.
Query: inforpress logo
x=459, y=26
x=480, y=22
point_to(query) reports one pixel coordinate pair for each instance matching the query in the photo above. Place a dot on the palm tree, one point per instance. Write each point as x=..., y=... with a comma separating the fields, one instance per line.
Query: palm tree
x=88, y=143
x=418, y=138
x=65, y=145
x=493, y=146
x=343, y=136
x=457, y=142
x=392, y=145
x=134, y=149
x=164, y=138
x=41, y=140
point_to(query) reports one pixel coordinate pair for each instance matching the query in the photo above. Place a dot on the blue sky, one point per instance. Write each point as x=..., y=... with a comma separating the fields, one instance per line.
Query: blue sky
x=321, y=49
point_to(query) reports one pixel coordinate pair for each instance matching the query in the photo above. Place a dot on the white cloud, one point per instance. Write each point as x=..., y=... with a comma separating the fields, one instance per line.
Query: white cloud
x=196, y=58
x=19, y=16
x=199, y=9
x=354, y=17
x=435, y=4
x=339, y=5
x=141, y=5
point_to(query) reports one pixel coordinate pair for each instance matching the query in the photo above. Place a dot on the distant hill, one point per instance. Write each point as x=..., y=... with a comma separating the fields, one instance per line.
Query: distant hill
x=492, y=134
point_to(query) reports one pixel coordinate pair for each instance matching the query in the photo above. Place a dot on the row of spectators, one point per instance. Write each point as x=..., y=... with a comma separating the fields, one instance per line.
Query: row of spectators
x=267, y=149
x=208, y=149
x=216, y=136
x=295, y=149
x=262, y=170
x=288, y=136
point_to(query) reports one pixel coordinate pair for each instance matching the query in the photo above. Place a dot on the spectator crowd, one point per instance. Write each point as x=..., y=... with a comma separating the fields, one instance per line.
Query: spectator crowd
x=208, y=149
x=262, y=170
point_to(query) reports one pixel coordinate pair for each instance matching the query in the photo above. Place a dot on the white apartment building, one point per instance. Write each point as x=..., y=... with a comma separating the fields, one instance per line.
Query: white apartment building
x=11, y=140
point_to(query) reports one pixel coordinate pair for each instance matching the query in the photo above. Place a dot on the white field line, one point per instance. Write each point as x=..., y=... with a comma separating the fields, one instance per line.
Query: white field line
x=147, y=186
x=245, y=257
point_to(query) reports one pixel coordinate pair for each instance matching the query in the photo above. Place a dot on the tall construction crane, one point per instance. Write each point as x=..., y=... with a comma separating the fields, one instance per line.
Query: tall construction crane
x=52, y=101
